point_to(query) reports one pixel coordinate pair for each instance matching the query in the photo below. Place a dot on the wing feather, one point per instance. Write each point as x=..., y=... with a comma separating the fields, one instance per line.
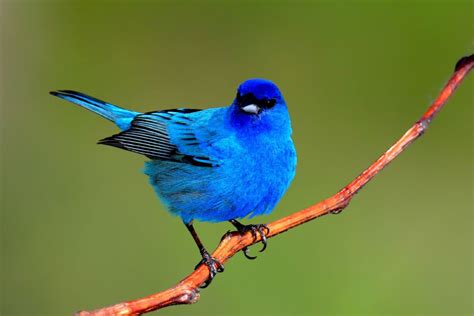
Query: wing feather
x=148, y=135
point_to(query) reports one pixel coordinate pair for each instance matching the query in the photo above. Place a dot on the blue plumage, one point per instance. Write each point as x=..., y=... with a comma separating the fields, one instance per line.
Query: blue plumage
x=121, y=117
x=211, y=165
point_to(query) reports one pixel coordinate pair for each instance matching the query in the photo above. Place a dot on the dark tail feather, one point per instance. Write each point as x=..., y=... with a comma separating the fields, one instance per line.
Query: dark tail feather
x=119, y=116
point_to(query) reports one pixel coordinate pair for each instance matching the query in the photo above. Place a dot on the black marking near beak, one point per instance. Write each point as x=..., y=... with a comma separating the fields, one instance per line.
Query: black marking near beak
x=251, y=105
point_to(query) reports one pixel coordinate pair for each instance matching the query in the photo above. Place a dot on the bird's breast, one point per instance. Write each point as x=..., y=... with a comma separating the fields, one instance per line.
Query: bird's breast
x=259, y=175
x=250, y=179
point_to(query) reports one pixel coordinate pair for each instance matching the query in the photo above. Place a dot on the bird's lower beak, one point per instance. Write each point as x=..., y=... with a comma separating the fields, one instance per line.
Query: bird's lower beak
x=251, y=108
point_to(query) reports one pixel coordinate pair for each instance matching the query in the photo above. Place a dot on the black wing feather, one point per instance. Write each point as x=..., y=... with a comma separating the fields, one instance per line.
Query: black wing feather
x=148, y=136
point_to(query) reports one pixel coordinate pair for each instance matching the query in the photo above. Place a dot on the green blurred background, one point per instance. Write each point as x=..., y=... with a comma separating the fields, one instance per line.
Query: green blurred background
x=81, y=228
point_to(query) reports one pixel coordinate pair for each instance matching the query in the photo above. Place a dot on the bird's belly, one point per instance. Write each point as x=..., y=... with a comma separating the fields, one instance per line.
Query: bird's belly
x=215, y=194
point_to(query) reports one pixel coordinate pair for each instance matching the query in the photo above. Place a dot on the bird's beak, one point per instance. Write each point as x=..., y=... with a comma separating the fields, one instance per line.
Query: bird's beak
x=251, y=108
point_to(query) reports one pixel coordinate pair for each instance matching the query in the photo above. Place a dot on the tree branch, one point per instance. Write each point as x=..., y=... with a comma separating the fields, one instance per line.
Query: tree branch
x=187, y=291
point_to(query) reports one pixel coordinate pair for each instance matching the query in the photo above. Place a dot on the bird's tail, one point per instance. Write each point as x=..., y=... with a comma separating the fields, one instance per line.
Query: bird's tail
x=119, y=116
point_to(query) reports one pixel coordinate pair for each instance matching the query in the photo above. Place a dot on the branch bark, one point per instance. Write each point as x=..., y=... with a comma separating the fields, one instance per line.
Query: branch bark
x=187, y=290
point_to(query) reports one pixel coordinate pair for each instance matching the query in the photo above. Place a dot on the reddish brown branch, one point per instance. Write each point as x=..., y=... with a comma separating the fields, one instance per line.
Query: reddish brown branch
x=187, y=291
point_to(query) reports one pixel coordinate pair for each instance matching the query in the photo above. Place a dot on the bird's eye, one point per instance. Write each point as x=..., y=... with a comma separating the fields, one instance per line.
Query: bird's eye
x=269, y=103
x=245, y=99
x=238, y=97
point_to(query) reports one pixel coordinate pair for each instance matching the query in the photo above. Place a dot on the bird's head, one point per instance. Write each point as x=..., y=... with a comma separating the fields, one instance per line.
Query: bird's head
x=259, y=104
x=255, y=96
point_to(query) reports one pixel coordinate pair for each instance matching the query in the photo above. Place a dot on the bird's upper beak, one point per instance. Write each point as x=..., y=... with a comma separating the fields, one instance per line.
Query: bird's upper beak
x=251, y=109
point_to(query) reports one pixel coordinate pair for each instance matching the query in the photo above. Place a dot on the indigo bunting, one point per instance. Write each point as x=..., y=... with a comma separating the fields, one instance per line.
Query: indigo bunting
x=212, y=165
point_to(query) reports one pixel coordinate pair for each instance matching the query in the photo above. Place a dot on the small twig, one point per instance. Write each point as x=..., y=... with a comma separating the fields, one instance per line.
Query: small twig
x=187, y=291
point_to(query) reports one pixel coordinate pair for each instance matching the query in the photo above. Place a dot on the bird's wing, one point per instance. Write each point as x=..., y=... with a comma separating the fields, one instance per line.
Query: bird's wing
x=158, y=135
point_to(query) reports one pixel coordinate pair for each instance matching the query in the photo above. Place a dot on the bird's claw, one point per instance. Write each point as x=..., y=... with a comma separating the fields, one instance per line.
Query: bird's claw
x=255, y=229
x=245, y=250
x=336, y=211
x=214, y=266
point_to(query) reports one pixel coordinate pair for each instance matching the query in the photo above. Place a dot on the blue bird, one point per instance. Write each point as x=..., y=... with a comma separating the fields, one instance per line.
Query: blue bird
x=213, y=165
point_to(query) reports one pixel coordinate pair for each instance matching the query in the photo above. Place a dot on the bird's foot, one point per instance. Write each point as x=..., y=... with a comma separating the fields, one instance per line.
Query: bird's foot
x=255, y=229
x=214, y=266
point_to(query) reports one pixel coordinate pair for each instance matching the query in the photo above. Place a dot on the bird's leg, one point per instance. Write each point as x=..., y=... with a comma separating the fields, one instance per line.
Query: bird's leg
x=212, y=263
x=261, y=229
